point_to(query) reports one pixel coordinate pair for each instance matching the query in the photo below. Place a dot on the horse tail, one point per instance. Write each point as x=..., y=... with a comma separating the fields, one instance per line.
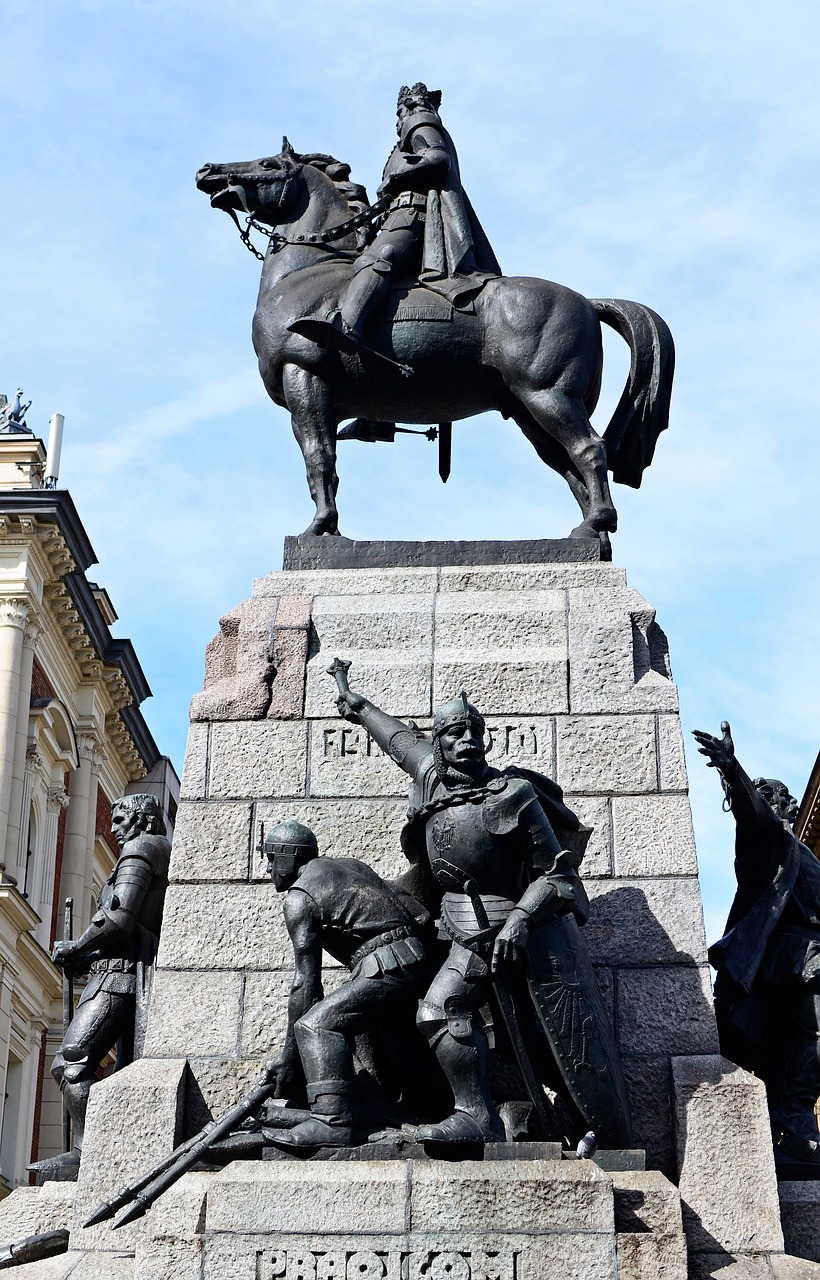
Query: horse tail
x=642, y=412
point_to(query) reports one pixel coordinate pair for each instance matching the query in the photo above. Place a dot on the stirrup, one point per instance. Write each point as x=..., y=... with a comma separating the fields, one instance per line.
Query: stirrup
x=328, y=333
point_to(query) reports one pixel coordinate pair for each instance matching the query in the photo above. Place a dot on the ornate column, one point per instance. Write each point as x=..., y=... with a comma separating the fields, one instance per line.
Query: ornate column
x=42, y=893
x=13, y=616
x=33, y=765
x=22, y=777
x=76, y=850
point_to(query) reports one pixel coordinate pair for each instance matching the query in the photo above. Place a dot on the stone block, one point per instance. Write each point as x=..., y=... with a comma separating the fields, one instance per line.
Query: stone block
x=646, y=921
x=507, y=649
x=134, y=1119
x=799, y=1217
x=29, y=1211
x=572, y=1256
x=194, y=783
x=238, y=665
x=666, y=1010
x=671, y=756
x=786, y=1267
x=265, y=1009
x=619, y=659
x=211, y=841
x=212, y=1085
x=724, y=1154
x=166, y=1259
x=290, y=646
x=719, y=1265
x=172, y=1248
x=653, y=836
x=649, y=1084
x=532, y=576
x=257, y=758
x=503, y=1197
x=193, y=1012
x=230, y=926
x=607, y=754
x=595, y=812
x=503, y=683
x=526, y=741
x=646, y=1201
x=352, y=582
x=648, y=1257
x=303, y=1199
x=364, y=829
x=87, y=1266
x=518, y=621
x=401, y=682
x=344, y=761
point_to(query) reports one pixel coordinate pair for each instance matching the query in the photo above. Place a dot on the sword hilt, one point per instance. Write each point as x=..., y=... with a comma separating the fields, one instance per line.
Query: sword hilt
x=339, y=668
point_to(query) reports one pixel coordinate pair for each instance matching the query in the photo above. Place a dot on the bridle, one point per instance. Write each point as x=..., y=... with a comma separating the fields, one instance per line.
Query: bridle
x=278, y=241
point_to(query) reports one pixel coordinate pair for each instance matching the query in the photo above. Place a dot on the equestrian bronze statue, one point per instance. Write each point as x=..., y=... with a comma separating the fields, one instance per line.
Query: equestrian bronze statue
x=397, y=312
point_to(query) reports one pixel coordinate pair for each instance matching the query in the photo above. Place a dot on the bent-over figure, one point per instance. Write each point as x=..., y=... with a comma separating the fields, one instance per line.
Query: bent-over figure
x=118, y=950
x=484, y=837
x=377, y=931
x=767, y=991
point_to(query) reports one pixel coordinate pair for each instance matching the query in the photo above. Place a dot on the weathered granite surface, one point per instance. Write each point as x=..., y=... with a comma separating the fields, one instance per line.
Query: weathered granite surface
x=573, y=674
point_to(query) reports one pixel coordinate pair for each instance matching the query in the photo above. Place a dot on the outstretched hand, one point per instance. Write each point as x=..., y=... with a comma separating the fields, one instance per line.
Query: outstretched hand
x=719, y=752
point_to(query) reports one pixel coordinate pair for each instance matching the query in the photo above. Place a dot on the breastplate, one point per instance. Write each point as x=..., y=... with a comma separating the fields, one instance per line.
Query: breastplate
x=457, y=835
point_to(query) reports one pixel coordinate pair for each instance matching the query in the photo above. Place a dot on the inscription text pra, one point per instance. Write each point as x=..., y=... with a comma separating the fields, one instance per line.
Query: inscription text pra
x=364, y=1264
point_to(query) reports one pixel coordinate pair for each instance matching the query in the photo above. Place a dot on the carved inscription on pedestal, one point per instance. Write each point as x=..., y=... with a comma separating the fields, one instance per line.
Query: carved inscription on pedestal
x=393, y=1264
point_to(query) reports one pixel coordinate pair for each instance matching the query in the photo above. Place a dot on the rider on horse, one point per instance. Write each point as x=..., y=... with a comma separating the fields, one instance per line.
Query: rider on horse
x=429, y=233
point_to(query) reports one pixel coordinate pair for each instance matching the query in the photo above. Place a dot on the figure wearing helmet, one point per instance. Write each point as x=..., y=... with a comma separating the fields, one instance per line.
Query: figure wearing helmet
x=484, y=835
x=376, y=930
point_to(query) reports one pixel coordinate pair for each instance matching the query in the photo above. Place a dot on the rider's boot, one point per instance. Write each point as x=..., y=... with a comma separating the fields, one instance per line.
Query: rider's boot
x=344, y=329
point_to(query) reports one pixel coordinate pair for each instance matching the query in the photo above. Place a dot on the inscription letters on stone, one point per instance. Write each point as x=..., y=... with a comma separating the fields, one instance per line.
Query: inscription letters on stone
x=393, y=1264
x=516, y=739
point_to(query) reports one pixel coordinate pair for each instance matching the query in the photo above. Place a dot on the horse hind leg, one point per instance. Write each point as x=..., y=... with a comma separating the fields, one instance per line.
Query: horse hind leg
x=569, y=434
x=314, y=427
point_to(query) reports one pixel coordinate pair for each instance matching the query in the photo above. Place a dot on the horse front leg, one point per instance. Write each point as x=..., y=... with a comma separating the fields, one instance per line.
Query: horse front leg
x=314, y=425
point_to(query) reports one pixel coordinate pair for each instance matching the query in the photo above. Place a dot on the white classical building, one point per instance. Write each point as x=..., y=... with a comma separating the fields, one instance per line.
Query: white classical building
x=72, y=740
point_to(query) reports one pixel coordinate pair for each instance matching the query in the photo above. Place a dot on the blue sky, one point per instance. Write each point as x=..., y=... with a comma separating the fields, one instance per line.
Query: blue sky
x=666, y=154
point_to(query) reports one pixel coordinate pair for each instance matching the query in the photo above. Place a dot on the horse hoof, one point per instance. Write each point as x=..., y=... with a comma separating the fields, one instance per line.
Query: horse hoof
x=321, y=529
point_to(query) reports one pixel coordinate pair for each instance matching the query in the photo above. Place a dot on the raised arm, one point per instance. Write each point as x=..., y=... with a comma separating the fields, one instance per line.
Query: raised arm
x=747, y=804
x=404, y=743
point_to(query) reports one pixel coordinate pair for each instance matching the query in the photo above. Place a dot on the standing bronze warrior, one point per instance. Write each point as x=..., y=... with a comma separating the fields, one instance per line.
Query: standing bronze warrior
x=512, y=902
x=118, y=950
x=767, y=990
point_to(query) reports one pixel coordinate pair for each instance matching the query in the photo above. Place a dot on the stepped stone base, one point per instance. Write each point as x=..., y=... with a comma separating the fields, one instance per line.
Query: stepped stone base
x=572, y=673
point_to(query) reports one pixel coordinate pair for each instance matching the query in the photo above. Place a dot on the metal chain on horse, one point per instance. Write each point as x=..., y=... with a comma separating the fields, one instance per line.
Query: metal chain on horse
x=321, y=237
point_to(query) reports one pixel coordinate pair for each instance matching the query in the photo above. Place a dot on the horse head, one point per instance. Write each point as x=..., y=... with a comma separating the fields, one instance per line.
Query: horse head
x=258, y=187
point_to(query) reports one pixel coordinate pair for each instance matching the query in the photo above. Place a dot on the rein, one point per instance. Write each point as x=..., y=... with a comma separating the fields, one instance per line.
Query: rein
x=278, y=241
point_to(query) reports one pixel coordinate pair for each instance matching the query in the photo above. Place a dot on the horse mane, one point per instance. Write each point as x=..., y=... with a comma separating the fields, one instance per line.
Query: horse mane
x=339, y=173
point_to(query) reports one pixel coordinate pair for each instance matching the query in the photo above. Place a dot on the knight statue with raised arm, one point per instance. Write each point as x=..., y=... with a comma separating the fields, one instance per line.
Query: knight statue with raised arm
x=767, y=990
x=117, y=950
x=429, y=232
x=485, y=856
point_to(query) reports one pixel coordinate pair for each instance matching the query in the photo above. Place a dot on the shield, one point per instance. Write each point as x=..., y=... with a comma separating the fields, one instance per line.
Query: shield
x=565, y=1018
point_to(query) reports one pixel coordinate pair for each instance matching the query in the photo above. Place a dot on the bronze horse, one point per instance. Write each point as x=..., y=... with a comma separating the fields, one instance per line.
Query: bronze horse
x=530, y=349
